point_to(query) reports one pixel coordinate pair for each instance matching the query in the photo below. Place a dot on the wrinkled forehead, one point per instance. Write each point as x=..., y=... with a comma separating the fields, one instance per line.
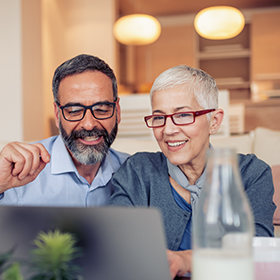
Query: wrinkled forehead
x=86, y=88
x=187, y=90
x=174, y=97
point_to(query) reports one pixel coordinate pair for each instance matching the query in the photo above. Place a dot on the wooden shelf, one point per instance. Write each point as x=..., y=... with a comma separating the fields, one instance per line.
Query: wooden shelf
x=267, y=77
x=232, y=83
x=224, y=54
x=228, y=62
x=265, y=113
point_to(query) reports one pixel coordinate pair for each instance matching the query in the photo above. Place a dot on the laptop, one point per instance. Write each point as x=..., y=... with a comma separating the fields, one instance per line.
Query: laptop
x=116, y=243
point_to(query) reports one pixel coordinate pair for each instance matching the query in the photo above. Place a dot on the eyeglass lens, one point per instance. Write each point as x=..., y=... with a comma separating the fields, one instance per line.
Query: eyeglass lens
x=179, y=118
x=100, y=111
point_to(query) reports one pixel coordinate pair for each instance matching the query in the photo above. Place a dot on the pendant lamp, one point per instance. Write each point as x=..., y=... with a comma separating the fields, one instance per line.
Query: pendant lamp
x=137, y=29
x=219, y=22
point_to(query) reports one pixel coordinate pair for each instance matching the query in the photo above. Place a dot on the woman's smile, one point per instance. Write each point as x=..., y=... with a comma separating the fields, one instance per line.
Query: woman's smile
x=176, y=144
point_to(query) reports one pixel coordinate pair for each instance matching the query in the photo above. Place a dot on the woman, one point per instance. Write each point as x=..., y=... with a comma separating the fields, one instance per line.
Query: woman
x=184, y=115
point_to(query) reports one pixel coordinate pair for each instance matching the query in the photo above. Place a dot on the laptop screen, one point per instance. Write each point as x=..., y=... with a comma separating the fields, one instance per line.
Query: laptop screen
x=114, y=243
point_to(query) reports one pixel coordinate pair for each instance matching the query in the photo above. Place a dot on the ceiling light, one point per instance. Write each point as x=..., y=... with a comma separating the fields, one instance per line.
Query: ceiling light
x=219, y=22
x=137, y=29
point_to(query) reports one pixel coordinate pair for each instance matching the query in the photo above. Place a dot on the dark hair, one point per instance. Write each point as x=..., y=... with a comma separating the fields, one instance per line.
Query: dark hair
x=80, y=64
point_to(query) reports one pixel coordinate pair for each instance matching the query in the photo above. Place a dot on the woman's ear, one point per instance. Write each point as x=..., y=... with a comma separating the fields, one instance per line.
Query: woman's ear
x=216, y=121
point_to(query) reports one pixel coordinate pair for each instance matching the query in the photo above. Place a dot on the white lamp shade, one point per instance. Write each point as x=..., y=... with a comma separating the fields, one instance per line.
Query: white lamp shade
x=219, y=22
x=137, y=29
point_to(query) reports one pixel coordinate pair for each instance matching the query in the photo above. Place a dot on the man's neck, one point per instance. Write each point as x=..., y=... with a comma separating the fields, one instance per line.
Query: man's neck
x=87, y=171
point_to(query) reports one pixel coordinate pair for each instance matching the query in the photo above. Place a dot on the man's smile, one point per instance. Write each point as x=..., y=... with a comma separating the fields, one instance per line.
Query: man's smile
x=91, y=140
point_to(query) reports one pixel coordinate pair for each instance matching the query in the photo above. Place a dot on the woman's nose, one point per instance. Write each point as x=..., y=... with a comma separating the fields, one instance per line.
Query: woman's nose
x=170, y=127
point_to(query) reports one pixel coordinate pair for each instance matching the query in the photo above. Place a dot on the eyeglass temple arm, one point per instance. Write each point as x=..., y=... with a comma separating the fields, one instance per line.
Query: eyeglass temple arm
x=202, y=112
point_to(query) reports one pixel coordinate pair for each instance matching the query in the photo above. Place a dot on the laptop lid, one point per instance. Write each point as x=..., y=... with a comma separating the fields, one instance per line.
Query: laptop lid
x=116, y=243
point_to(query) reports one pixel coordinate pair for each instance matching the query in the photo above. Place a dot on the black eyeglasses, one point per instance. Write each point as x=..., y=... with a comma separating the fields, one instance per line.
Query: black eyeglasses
x=182, y=118
x=100, y=110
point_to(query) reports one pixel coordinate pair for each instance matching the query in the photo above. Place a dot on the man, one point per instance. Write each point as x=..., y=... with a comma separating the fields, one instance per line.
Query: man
x=71, y=169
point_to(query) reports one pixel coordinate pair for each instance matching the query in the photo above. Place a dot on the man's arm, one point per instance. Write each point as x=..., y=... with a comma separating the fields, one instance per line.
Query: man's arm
x=21, y=163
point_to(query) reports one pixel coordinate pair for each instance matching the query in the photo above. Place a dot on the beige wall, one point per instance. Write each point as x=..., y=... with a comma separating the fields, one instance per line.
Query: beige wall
x=21, y=70
x=71, y=27
x=37, y=36
x=10, y=71
x=265, y=43
x=32, y=89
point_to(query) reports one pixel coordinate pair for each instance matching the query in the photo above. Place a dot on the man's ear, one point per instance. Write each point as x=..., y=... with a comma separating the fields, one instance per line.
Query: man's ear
x=216, y=121
x=118, y=110
x=56, y=112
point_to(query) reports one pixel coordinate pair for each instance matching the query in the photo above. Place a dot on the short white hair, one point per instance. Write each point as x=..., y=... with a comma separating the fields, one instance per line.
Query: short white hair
x=194, y=80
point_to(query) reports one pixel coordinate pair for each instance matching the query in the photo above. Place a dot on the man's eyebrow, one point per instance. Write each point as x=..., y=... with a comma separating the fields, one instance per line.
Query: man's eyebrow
x=72, y=104
x=79, y=104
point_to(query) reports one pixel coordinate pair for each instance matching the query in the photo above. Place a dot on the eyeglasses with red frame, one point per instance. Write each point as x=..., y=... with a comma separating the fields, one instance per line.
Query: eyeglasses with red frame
x=181, y=118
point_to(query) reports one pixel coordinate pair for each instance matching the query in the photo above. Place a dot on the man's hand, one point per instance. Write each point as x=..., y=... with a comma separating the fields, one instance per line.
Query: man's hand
x=180, y=262
x=20, y=164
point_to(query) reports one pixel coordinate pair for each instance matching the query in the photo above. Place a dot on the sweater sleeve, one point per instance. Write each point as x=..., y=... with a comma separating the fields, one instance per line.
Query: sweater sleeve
x=143, y=181
x=129, y=183
x=258, y=184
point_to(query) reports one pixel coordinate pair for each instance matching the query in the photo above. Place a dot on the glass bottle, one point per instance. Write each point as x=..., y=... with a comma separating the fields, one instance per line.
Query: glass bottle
x=223, y=223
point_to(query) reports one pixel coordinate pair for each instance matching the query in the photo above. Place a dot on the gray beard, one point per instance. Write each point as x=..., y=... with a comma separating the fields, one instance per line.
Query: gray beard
x=88, y=154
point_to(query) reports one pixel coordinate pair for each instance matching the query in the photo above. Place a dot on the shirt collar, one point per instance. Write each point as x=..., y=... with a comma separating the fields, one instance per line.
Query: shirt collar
x=62, y=163
x=105, y=171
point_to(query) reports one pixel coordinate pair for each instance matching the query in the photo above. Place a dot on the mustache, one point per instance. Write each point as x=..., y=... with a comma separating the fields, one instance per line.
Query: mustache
x=82, y=133
x=89, y=133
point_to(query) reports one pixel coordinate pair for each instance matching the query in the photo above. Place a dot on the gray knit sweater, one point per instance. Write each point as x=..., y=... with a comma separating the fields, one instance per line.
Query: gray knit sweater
x=143, y=181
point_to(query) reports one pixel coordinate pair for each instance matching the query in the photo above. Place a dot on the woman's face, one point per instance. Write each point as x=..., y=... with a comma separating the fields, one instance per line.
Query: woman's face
x=182, y=145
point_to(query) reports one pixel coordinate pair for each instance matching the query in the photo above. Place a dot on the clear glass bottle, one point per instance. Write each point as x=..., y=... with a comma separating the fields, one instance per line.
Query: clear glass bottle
x=223, y=223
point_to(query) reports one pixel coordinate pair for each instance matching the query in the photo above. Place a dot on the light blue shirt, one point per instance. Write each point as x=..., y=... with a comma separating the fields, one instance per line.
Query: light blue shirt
x=60, y=184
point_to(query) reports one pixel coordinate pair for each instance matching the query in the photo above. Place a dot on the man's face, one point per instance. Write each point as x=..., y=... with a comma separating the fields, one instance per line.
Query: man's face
x=87, y=140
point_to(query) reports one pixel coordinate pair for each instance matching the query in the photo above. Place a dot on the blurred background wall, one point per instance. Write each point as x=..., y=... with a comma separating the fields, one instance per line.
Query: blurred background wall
x=38, y=35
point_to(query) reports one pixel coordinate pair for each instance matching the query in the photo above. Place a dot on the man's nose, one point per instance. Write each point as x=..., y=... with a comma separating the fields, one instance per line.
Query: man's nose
x=89, y=121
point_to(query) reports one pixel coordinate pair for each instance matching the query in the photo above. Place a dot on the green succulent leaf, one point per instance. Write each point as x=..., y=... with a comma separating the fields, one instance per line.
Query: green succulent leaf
x=5, y=257
x=52, y=259
x=12, y=272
